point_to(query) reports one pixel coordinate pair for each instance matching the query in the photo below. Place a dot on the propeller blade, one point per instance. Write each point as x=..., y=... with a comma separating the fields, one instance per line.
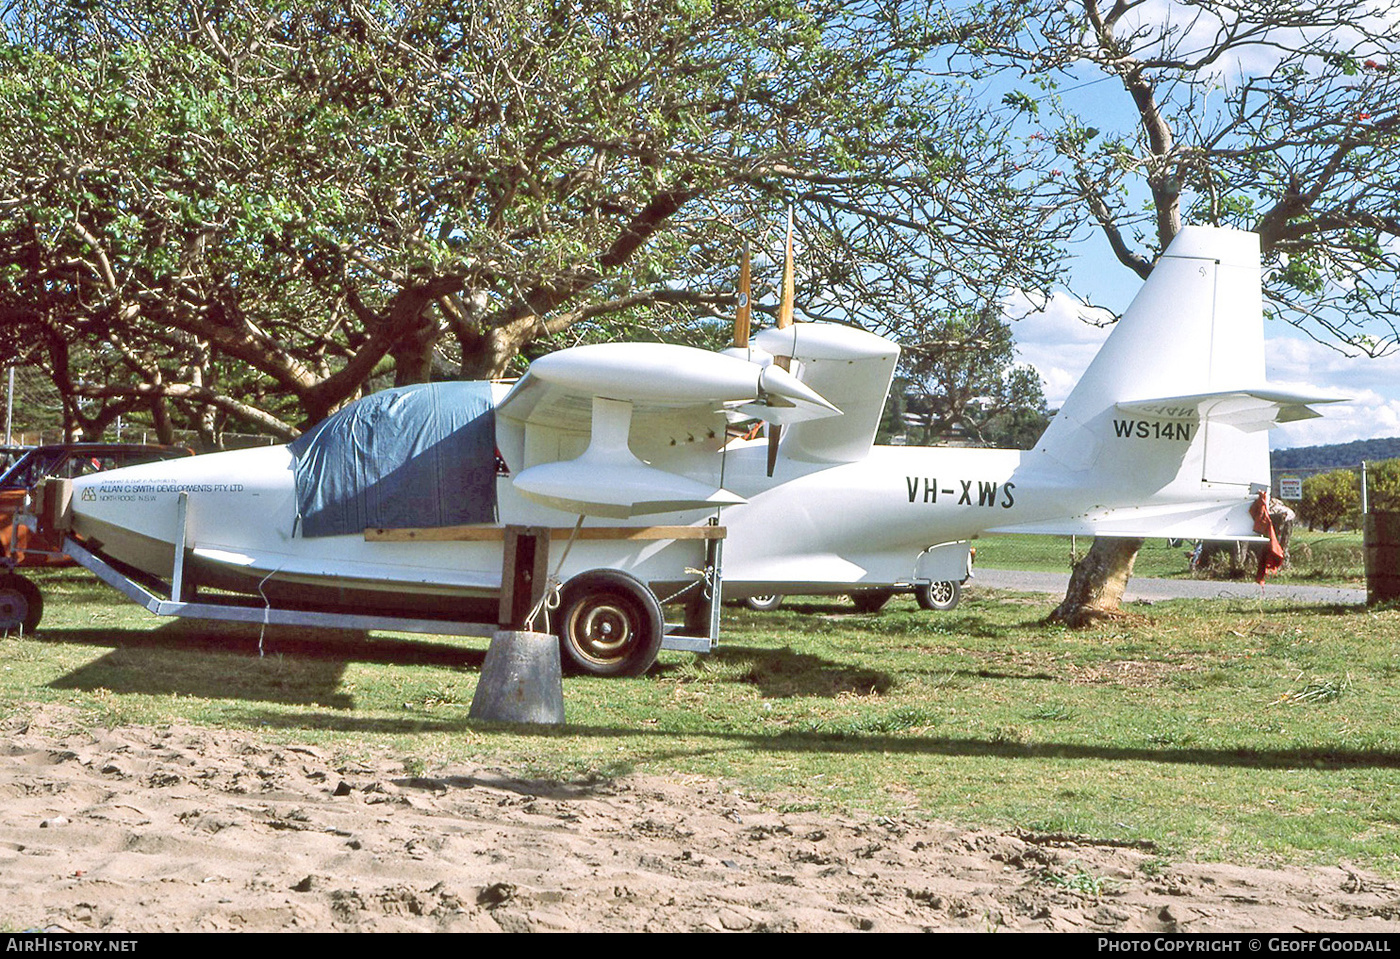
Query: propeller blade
x=775, y=430
x=789, y=284
x=743, y=313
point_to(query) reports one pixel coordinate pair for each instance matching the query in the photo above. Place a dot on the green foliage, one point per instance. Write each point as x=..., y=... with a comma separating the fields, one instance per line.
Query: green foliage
x=1333, y=500
x=1383, y=485
x=1080, y=881
x=1302, y=274
x=962, y=380
x=1021, y=102
x=225, y=216
x=1330, y=500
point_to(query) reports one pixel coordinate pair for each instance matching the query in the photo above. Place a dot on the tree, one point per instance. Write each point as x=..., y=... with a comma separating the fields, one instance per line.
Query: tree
x=962, y=376
x=1383, y=486
x=1277, y=118
x=35, y=410
x=237, y=212
x=1330, y=500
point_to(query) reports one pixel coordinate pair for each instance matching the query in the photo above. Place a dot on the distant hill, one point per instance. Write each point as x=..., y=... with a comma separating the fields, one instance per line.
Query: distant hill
x=1336, y=455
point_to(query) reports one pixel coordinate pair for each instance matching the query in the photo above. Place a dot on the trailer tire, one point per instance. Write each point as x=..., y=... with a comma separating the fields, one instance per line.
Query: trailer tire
x=610, y=624
x=941, y=596
x=764, y=604
x=871, y=600
x=21, y=605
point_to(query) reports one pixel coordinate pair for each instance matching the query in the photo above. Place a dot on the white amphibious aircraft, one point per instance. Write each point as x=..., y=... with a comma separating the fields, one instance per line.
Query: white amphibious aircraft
x=395, y=505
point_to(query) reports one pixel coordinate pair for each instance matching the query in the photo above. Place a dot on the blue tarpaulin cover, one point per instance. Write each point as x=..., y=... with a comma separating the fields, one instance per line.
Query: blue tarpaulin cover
x=412, y=456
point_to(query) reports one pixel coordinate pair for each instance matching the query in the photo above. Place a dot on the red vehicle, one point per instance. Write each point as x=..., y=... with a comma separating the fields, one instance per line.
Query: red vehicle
x=20, y=605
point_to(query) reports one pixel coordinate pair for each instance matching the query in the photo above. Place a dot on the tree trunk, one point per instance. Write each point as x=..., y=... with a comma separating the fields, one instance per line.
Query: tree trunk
x=413, y=356
x=160, y=419
x=1096, y=586
x=488, y=355
x=1284, y=519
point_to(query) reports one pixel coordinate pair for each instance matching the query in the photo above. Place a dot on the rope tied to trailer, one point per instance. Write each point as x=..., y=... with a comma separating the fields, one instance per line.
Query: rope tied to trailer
x=267, y=608
x=688, y=586
x=553, y=587
x=705, y=577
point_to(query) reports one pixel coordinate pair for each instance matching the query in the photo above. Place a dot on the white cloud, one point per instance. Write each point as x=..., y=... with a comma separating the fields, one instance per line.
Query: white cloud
x=1372, y=386
x=1198, y=26
x=1291, y=357
x=1056, y=341
x=1369, y=416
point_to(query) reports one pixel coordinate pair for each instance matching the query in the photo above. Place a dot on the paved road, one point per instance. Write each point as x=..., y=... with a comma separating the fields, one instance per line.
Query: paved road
x=1154, y=589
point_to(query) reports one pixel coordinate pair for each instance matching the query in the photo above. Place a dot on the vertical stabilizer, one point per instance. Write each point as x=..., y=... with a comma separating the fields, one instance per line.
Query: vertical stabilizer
x=1195, y=330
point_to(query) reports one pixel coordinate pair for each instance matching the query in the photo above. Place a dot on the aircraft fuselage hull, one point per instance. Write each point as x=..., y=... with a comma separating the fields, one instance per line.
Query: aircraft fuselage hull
x=811, y=527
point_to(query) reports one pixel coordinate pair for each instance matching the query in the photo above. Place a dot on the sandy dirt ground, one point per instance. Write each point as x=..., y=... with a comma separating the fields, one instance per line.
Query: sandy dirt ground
x=142, y=829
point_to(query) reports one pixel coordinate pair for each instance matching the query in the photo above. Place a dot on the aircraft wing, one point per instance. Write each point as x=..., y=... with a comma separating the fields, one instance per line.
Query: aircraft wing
x=647, y=411
x=1246, y=410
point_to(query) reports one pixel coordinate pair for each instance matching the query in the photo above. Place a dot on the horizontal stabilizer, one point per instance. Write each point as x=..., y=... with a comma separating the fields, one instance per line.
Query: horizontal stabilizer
x=1203, y=519
x=1246, y=410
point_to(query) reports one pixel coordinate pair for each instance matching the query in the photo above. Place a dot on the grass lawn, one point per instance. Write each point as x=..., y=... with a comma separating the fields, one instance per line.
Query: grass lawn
x=1330, y=559
x=1211, y=729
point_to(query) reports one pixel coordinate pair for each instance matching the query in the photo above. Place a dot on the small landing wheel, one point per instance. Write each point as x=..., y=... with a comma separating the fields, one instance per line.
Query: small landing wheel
x=21, y=606
x=941, y=596
x=610, y=624
x=764, y=604
x=871, y=600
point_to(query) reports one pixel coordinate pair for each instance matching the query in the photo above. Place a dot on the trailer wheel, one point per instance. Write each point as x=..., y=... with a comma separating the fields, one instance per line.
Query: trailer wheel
x=21, y=606
x=871, y=600
x=941, y=596
x=764, y=604
x=610, y=624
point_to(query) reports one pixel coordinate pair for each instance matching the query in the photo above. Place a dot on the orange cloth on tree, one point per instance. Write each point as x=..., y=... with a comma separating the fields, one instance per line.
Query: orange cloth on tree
x=1271, y=557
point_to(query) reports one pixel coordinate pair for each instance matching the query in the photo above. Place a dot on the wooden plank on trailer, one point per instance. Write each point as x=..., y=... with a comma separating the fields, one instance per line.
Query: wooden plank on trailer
x=55, y=504
x=524, y=573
